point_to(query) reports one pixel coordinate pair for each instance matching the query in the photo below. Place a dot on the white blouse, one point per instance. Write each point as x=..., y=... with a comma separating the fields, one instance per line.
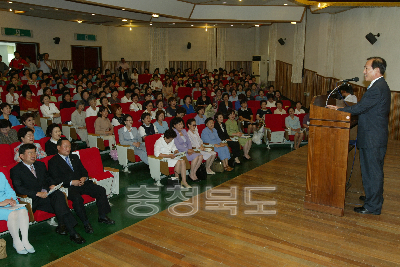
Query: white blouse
x=12, y=100
x=49, y=111
x=195, y=138
x=135, y=107
x=90, y=112
x=161, y=147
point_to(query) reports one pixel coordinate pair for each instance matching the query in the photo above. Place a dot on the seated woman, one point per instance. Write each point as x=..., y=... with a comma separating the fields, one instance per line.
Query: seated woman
x=54, y=132
x=160, y=123
x=224, y=136
x=114, y=97
x=271, y=102
x=103, y=126
x=17, y=220
x=263, y=111
x=233, y=130
x=147, y=128
x=85, y=96
x=128, y=96
x=118, y=118
x=279, y=109
x=187, y=104
x=200, y=118
x=66, y=101
x=180, y=112
x=168, y=89
x=197, y=143
x=248, y=95
x=246, y=117
x=278, y=96
x=148, y=108
x=12, y=98
x=261, y=95
x=29, y=103
x=129, y=136
x=217, y=97
x=210, y=136
x=292, y=122
x=47, y=91
x=135, y=106
x=159, y=104
x=165, y=148
x=92, y=110
x=7, y=135
x=298, y=109
x=29, y=121
x=233, y=96
x=25, y=136
x=183, y=144
x=49, y=109
x=104, y=103
x=225, y=105
x=78, y=121
x=6, y=114
x=78, y=96
x=203, y=100
x=171, y=110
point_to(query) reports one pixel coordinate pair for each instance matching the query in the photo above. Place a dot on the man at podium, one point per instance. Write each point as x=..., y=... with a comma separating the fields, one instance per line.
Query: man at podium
x=372, y=137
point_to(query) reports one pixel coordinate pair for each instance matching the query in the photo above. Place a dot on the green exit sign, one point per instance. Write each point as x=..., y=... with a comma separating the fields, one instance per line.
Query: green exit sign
x=85, y=37
x=16, y=32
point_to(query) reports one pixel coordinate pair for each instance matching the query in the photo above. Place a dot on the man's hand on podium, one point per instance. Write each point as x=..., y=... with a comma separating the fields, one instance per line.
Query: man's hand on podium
x=332, y=107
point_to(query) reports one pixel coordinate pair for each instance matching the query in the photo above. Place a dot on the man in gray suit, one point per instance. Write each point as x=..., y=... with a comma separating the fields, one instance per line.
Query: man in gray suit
x=373, y=119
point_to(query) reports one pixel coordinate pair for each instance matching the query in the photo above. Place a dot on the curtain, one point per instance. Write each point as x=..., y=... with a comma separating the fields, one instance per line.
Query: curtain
x=221, y=43
x=158, y=49
x=60, y=64
x=211, y=49
x=272, y=43
x=330, y=51
x=246, y=65
x=298, y=51
x=188, y=64
x=394, y=124
x=139, y=65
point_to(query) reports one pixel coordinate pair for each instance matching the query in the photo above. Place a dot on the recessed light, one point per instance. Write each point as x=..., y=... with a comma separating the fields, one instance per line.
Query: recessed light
x=231, y=25
x=123, y=9
x=224, y=3
x=130, y=28
x=319, y=4
x=206, y=28
x=155, y=15
x=285, y=4
x=56, y=9
x=93, y=14
x=191, y=25
x=151, y=24
x=79, y=21
x=293, y=22
x=10, y=2
x=124, y=20
x=10, y=10
x=257, y=25
x=173, y=23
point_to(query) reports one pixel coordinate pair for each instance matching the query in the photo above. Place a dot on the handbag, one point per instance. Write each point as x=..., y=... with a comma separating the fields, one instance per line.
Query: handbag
x=201, y=172
x=217, y=166
x=3, y=253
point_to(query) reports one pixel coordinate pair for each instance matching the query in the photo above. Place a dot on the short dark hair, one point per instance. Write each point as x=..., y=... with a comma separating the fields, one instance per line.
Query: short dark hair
x=126, y=116
x=230, y=111
x=5, y=123
x=199, y=108
x=144, y=115
x=185, y=97
x=347, y=88
x=145, y=104
x=101, y=109
x=101, y=99
x=50, y=129
x=279, y=102
x=290, y=109
x=22, y=132
x=378, y=62
x=171, y=99
x=175, y=121
x=4, y=104
x=244, y=100
x=114, y=108
x=189, y=121
x=217, y=114
x=263, y=101
x=159, y=112
x=59, y=142
x=26, y=116
x=25, y=147
x=207, y=120
x=170, y=134
x=180, y=110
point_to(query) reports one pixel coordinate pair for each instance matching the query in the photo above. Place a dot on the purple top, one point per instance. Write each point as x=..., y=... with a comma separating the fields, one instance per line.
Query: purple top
x=184, y=144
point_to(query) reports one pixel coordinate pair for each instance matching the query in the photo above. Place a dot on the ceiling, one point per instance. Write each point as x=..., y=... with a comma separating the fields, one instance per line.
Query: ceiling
x=172, y=13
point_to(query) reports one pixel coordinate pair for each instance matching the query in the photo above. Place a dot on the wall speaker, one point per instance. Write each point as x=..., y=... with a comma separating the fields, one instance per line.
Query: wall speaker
x=281, y=41
x=371, y=37
x=256, y=58
x=189, y=45
x=56, y=40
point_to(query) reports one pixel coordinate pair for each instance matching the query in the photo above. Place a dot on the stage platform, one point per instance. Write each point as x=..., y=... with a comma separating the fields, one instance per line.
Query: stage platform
x=293, y=236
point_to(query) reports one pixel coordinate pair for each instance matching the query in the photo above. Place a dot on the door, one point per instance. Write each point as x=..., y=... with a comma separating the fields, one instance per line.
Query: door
x=27, y=49
x=88, y=57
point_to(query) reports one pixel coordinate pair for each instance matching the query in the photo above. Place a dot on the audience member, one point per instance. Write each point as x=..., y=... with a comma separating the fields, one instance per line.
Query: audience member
x=118, y=118
x=225, y=105
x=200, y=117
x=171, y=110
x=114, y=97
x=298, y=109
x=261, y=95
x=292, y=123
x=6, y=114
x=54, y=132
x=180, y=112
x=47, y=91
x=103, y=126
x=104, y=103
x=262, y=111
x=279, y=109
x=233, y=130
x=78, y=121
x=160, y=123
x=7, y=135
x=25, y=136
x=147, y=128
x=148, y=108
x=28, y=102
x=347, y=92
x=187, y=100
x=248, y=95
x=28, y=120
x=12, y=98
x=49, y=110
x=66, y=101
x=224, y=136
x=92, y=110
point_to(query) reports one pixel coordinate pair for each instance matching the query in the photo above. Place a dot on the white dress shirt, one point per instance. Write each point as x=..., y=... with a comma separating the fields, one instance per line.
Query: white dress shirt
x=90, y=112
x=135, y=106
x=49, y=111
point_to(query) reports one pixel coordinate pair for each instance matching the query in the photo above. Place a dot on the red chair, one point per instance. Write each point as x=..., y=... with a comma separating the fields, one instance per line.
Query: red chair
x=17, y=127
x=42, y=142
x=168, y=120
x=286, y=104
x=136, y=115
x=200, y=128
x=144, y=78
x=183, y=91
x=253, y=104
x=6, y=155
x=125, y=107
x=189, y=116
x=275, y=126
x=94, y=139
x=125, y=154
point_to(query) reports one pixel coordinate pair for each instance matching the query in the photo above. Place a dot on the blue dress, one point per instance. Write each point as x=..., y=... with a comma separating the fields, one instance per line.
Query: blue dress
x=212, y=137
x=189, y=109
x=14, y=121
x=6, y=192
x=199, y=120
x=39, y=134
x=161, y=128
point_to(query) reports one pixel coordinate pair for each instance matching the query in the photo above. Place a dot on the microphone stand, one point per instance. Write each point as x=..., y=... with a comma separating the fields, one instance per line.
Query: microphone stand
x=336, y=88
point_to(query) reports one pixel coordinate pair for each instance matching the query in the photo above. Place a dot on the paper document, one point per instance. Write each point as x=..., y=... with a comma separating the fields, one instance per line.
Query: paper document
x=13, y=208
x=55, y=188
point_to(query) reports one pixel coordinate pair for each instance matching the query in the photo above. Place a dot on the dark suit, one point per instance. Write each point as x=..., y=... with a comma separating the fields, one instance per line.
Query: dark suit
x=373, y=119
x=60, y=171
x=223, y=135
x=222, y=108
x=25, y=183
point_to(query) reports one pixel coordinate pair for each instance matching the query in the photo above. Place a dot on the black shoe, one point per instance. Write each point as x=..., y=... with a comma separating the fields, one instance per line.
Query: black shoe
x=61, y=229
x=88, y=228
x=362, y=198
x=363, y=210
x=231, y=163
x=77, y=238
x=106, y=220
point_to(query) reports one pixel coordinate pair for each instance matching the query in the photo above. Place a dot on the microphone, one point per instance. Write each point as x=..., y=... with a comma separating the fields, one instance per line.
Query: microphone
x=355, y=79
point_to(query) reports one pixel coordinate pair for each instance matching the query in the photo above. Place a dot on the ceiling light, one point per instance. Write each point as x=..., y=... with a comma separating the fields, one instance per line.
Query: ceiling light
x=10, y=10
x=206, y=28
x=232, y=25
x=130, y=28
x=191, y=25
x=257, y=25
x=56, y=9
x=293, y=22
x=79, y=21
x=124, y=20
x=93, y=14
x=319, y=4
x=285, y=4
x=173, y=23
x=123, y=9
x=224, y=3
x=19, y=12
x=151, y=24
x=155, y=15
x=10, y=2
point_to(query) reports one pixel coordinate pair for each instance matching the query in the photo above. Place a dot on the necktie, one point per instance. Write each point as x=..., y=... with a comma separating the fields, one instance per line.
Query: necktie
x=69, y=162
x=33, y=170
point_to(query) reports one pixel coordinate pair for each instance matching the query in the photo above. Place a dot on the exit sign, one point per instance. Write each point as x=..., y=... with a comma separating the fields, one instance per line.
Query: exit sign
x=16, y=32
x=85, y=37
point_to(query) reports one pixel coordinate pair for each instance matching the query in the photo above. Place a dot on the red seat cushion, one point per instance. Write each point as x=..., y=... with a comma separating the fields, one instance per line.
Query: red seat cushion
x=149, y=142
x=3, y=226
x=6, y=155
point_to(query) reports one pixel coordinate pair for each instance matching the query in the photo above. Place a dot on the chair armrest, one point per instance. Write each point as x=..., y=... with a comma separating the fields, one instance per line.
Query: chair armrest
x=29, y=208
x=47, y=118
x=154, y=157
x=110, y=169
x=123, y=145
x=92, y=134
x=21, y=196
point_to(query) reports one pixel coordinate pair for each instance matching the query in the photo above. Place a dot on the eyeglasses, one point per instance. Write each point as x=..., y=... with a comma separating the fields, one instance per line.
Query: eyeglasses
x=194, y=125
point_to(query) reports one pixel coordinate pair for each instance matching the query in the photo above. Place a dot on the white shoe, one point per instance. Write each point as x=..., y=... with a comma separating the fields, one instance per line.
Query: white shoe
x=158, y=183
x=211, y=173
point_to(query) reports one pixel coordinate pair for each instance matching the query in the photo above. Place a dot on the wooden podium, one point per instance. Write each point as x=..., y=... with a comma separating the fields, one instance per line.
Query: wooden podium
x=328, y=151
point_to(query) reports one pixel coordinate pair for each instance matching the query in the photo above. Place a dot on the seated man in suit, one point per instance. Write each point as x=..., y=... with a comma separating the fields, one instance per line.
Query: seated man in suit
x=30, y=177
x=67, y=168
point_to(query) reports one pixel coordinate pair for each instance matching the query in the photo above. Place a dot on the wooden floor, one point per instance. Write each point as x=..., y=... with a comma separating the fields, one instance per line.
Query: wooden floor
x=292, y=237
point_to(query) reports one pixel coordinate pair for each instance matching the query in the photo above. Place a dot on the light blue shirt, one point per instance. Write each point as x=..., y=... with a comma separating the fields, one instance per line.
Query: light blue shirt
x=161, y=128
x=44, y=67
x=199, y=120
x=292, y=123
